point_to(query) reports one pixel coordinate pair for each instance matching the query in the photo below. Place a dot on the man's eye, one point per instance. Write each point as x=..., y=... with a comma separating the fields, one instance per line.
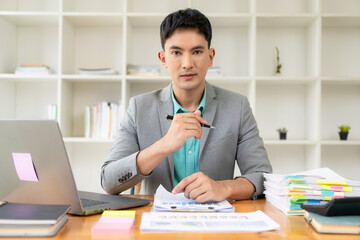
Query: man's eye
x=197, y=52
x=175, y=53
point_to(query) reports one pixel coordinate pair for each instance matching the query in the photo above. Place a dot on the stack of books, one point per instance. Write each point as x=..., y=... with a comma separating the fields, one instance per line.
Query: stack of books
x=36, y=220
x=214, y=72
x=288, y=191
x=102, y=120
x=52, y=111
x=97, y=71
x=333, y=224
x=143, y=70
x=33, y=69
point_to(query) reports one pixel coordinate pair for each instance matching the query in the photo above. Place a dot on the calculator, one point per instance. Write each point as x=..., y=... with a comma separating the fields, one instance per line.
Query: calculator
x=335, y=207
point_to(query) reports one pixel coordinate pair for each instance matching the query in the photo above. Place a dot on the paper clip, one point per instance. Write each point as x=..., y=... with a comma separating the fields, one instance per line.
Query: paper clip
x=208, y=209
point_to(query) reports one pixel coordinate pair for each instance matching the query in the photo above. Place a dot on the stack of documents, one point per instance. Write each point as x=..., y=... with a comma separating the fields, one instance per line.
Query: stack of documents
x=166, y=201
x=207, y=222
x=288, y=191
x=143, y=70
x=97, y=71
x=214, y=72
x=174, y=212
x=33, y=69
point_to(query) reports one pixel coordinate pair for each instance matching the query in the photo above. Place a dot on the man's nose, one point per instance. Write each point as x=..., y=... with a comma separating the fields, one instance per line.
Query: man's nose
x=187, y=62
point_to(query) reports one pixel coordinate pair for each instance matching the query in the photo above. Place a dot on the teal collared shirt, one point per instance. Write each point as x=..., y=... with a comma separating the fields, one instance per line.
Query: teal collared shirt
x=186, y=159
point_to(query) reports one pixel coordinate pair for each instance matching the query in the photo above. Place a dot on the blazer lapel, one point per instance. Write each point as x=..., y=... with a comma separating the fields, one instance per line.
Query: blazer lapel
x=209, y=115
x=166, y=107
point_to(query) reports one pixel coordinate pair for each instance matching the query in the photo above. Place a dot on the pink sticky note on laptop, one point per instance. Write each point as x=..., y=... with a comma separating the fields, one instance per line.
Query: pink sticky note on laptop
x=25, y=167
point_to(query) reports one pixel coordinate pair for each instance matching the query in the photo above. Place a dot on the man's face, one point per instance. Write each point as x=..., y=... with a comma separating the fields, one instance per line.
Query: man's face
x=187, y=58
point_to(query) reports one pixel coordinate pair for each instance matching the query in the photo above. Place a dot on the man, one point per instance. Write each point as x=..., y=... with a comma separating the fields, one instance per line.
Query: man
x=180, y=154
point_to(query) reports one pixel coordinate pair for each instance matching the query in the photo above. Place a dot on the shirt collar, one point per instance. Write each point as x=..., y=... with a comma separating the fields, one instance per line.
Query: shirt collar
x=179, y=109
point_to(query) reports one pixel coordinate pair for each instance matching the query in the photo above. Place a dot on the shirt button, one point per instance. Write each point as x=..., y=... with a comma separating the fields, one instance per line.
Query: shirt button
x=189, y=152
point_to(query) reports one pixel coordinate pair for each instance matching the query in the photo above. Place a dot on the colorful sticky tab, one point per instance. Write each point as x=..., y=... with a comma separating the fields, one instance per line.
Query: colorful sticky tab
x=329, y=182
x=118, y=213
x=25, y=167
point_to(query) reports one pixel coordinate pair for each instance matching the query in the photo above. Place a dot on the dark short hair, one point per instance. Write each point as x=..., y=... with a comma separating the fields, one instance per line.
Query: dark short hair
x=187, y=18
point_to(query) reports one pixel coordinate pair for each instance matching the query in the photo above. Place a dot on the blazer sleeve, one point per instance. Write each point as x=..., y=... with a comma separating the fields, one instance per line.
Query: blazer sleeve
x=252, y=157
x=119, y=171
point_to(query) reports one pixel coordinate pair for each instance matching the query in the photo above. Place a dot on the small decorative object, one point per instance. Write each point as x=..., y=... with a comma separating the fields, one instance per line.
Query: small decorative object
x=278, y=65
x=344, y=131
x=282, y=133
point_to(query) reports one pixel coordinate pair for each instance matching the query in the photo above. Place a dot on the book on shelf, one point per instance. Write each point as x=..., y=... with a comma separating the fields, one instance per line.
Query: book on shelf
x=102, y=120
x=52, y=111
x=214, y=72
x=33, y=69
x=333, y=224
x=21, y=219
x=143, y=70
x=288, y=191
x=97, y=71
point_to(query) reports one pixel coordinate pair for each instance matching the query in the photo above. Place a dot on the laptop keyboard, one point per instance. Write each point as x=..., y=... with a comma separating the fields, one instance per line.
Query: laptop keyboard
x=90, y=202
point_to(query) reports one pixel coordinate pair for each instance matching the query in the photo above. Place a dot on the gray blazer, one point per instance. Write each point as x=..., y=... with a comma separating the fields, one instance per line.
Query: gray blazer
x=236, y=138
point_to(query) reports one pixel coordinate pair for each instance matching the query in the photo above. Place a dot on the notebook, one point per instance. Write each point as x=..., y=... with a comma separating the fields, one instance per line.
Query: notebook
x=35, y=168
x=27, y=215
x=334, y=224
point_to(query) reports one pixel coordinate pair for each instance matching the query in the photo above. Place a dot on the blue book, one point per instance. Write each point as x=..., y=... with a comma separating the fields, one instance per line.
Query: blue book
x=333, y=224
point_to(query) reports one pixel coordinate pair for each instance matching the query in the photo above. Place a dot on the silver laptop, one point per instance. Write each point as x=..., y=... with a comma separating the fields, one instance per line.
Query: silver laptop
x=34, y=168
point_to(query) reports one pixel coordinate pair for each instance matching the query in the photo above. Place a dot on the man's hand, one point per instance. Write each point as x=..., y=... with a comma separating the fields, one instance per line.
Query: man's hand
x=201, y=188
x=183, y=127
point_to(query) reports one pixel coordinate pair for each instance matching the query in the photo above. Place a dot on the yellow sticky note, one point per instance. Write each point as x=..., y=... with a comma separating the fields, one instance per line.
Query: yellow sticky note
x=118, y=213
x=329, y=182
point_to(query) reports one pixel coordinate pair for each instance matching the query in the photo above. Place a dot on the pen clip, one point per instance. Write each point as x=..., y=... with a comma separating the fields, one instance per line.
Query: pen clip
x=208, y=209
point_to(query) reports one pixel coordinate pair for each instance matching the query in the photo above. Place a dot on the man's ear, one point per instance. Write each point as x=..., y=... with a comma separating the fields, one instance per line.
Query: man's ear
x=161, y=56
x=211, y=56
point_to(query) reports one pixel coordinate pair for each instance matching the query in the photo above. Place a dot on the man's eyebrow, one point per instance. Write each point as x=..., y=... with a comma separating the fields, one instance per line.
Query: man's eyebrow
x=196, y=47
x=176, y=47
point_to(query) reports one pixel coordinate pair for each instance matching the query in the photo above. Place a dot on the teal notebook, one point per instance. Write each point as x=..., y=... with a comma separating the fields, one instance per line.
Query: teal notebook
x=333, y=224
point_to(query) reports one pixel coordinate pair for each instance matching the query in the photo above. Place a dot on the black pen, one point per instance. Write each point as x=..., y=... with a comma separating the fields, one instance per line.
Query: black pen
x=170, y=117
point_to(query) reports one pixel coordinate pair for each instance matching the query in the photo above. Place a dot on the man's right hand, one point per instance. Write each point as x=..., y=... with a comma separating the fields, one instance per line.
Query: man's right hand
x=183, y=127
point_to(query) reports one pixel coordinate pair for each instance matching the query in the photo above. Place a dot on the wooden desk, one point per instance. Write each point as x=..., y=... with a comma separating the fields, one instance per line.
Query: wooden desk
x=292, y=227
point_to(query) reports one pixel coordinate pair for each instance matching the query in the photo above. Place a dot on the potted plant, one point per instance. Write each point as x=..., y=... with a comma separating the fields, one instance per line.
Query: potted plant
x=278, y=64
x=282, y=133
x=344, y=131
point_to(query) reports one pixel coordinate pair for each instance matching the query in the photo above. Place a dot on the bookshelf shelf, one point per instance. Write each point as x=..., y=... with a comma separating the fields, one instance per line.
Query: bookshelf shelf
x=318, y=89
x=289, y=142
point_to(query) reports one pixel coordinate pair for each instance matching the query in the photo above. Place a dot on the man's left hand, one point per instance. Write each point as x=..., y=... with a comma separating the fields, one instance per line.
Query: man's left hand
x=202, y=188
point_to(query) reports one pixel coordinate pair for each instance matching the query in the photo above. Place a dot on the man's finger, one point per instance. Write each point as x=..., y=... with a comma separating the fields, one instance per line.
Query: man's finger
x=183, y=183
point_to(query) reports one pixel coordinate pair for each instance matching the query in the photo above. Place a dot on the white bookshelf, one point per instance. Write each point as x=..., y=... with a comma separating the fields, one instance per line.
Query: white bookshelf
x=319, y=87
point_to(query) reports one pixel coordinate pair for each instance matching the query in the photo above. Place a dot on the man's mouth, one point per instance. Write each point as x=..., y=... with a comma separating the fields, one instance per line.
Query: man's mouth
x=188, y=75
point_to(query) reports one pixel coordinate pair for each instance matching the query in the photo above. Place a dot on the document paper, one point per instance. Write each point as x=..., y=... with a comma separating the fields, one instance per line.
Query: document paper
x=207, y=222
x=166, y=201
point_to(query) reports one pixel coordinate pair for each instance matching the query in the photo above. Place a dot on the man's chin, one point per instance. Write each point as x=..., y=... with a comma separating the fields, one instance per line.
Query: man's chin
x=190, y=84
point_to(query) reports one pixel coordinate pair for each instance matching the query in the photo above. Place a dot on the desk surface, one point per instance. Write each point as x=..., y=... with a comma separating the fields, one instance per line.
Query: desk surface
x=292, y=227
